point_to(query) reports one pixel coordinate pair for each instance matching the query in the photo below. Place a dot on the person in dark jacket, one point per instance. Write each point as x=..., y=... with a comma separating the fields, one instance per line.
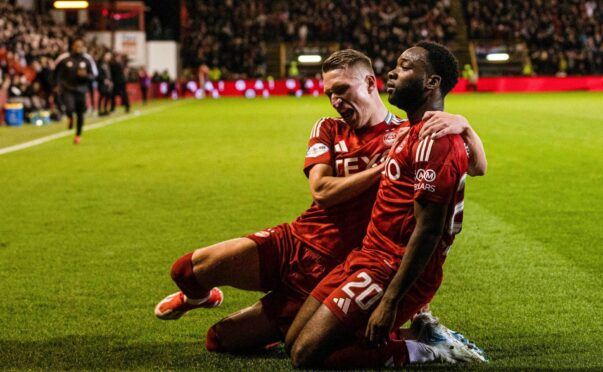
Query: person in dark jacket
x=119, y=82
x=144, y=81
x=73, y=73
x=105, y=84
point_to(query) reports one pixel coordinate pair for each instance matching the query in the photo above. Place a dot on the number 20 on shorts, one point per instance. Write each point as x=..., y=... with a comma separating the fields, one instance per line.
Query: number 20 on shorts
x=372, y=291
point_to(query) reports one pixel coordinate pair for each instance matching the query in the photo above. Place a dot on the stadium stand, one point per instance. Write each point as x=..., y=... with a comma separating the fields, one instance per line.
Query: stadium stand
x=235, y=39
x=29, y=44
x=218, y=37
x=563, y=37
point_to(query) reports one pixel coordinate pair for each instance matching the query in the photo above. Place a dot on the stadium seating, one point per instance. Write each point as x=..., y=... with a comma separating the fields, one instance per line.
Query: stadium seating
x=566, y=38
x=563, y=37
x=217, y=36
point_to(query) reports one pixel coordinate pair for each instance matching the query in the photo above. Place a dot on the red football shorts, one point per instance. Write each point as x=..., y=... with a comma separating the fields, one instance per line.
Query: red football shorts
x=353, y=289
x=289, y=269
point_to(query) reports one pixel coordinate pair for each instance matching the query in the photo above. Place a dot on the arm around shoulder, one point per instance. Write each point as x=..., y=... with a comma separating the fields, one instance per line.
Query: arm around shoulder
x=478, y=164
x=329, y=190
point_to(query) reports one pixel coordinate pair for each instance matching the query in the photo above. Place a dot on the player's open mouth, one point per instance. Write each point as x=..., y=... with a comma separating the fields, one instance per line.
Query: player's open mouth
x=347, y=115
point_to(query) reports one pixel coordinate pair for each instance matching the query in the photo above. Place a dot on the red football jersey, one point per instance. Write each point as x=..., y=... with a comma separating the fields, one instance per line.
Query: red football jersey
x=432, y=170
x=336, y=230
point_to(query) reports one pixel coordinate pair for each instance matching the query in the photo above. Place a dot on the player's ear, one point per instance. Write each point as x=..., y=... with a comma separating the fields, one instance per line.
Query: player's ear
x=371, y=82
x=433, y=82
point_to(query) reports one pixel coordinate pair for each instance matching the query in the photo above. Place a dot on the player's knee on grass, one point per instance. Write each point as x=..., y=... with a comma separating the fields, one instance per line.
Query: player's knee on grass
x=301, y=354
x=290, y=339
x=305, y=350
x=304, y=314
x=212, y=342
x=221, y=339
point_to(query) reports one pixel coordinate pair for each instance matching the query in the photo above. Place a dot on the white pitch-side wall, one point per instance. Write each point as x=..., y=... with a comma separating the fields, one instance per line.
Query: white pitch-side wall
x=163, y=55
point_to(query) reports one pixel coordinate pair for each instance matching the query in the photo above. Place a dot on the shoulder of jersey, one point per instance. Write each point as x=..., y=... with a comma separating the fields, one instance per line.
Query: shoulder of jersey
x=394, y=120
x=423, y=151
x=449, y=142
x=399, y=122
x=325, y=123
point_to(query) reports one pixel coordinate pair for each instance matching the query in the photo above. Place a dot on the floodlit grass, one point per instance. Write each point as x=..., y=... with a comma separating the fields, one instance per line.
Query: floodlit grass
x=15, y=135
x=88, y=232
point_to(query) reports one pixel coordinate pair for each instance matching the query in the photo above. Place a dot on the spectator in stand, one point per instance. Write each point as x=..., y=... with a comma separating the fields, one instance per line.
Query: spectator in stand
x=17, y=92
x=144, y=81
x=564, y=37
x=29, y=43
x=234, y=36
x=105, y=84
x=118, y=74
x=202, y=78
x=215, y=74
x=156, y=78
x=44, y=77
x=35, y=94
x=165, y=76
x=471, y=76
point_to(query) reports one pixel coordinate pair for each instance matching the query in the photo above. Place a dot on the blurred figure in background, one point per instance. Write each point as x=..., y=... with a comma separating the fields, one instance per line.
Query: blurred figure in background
x=214, y=73
x=119, y=82
x=44, y=77
x=145, y=82
x=105, y=84
x=471, y=76
x=73, y=74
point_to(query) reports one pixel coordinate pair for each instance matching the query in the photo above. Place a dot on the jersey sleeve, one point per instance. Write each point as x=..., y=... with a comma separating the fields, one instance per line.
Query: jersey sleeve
x=320, y=145
x=436, y=173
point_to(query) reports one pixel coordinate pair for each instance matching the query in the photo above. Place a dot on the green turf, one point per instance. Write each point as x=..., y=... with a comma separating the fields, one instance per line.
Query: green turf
x=88, y=233
x=14, y=135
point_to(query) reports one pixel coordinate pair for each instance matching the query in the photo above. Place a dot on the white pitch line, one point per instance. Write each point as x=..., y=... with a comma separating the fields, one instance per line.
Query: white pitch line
x=101, y=124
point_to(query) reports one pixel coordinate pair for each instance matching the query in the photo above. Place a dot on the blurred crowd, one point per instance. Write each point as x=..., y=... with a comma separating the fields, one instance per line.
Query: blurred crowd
x=232, y=34
x=564, y=37
x=29, y=45
x=227, y=39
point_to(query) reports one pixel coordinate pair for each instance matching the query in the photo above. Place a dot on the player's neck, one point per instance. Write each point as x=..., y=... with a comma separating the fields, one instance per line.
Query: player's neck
x=415, y=116
x=379, y=115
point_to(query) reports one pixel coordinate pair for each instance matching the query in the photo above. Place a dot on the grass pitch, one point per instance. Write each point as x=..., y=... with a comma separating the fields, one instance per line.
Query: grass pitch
x=88, y=232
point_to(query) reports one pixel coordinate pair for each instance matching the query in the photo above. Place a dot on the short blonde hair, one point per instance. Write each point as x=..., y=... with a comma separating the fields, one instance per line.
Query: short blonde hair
x=346, y=58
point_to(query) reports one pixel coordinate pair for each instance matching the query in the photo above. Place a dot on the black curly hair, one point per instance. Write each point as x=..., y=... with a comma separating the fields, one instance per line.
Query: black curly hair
x=443, y=63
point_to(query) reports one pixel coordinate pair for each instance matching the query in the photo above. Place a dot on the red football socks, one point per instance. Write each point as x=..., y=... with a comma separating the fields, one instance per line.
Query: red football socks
x=184, y=277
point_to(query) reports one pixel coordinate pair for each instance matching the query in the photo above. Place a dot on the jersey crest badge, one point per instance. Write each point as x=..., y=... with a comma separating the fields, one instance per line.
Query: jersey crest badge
x=389, y=138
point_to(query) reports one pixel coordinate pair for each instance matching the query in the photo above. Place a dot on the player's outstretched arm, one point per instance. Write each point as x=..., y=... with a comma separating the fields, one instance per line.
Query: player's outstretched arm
x=440, y=123
x=428, y=231
x=328, y=190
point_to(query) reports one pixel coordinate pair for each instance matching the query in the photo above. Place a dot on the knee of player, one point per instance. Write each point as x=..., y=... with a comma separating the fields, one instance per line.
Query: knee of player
x=205, y=263
x=288, y=347
x=212, y=342
x=182, y=268
x=300, y=355
x=289, y=342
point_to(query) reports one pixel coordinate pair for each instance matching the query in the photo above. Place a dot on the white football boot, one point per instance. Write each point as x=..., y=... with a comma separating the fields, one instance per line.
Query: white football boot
x=449, y=346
